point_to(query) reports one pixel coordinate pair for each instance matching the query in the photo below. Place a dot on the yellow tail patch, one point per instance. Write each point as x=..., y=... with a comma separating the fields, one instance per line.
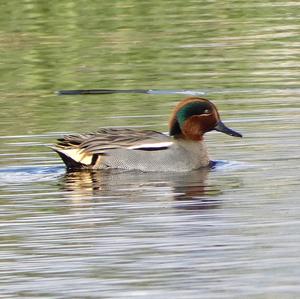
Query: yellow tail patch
x=78, y=156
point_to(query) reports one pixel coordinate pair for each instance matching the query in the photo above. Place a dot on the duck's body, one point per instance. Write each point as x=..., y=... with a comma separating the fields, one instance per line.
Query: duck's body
x=146, y=150
x=131, y=149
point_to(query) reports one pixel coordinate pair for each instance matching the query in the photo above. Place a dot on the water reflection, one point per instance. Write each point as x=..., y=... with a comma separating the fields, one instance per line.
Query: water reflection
x=190, y=190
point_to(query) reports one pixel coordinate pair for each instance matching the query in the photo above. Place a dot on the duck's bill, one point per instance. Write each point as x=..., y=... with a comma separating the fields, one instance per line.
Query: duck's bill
x=220, y=127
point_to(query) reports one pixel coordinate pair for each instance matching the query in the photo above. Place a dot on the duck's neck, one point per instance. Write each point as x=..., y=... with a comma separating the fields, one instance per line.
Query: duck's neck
x=197, y=138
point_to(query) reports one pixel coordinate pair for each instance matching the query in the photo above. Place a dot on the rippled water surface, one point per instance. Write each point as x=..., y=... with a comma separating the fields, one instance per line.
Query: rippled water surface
x=229, y=232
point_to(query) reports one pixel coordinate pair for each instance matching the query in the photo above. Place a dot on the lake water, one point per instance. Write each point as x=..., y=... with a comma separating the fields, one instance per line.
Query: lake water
x=230, y=232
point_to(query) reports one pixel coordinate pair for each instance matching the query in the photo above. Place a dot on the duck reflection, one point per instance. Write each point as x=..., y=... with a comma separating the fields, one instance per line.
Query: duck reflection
x=190, y=190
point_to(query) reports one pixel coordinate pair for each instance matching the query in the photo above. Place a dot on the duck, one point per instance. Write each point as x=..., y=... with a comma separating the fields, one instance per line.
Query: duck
x=183, y=149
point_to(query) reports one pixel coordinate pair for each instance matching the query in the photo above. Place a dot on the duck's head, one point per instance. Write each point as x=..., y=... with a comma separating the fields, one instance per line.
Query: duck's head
x=193, y=117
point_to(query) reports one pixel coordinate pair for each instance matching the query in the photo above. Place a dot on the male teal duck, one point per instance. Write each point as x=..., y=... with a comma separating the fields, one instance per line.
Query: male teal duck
x=147, y=150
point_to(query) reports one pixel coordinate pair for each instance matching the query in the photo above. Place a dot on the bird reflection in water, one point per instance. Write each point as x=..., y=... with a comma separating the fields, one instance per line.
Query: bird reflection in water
x=190, y=190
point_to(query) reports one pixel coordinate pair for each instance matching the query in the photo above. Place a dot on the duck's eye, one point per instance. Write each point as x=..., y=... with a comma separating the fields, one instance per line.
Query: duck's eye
x=206, y=111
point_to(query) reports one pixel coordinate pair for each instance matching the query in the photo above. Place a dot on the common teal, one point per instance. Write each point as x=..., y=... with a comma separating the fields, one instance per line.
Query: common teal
x=147, y=150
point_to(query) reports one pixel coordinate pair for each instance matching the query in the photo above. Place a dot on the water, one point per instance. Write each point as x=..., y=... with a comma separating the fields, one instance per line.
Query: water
x=229, y=232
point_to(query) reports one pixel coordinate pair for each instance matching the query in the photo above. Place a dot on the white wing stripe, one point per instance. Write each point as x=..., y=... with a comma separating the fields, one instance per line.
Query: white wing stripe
x=151, y=145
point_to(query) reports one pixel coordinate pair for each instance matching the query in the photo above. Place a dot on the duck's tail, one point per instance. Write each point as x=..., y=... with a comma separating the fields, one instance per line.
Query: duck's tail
x=75, y=159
